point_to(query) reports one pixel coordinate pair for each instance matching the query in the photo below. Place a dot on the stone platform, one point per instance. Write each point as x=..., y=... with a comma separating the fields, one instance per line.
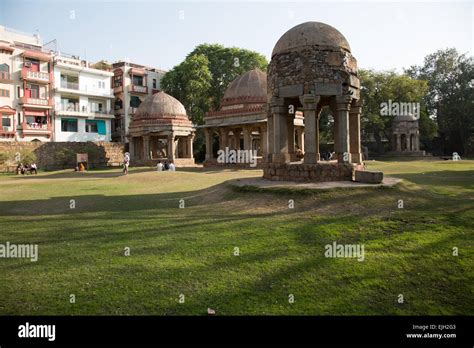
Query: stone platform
x=264, y=183
x=300, y=172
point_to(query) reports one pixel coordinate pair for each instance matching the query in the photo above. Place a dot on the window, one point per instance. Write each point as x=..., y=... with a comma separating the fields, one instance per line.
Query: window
x=137, y=80
x=95, y=106
x=135, y=101
x=117, y=81
x=118, y=104
x=4, y=93
x=4, y=71
x=33, y=91
x=68, y=125
x=18, y=90
x=6, y=121
x=101, y=84
x=154, y=83
x=96, y=126
x=91, y=127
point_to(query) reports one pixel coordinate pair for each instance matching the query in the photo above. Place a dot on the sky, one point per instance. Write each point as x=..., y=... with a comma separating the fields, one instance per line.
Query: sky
x=382, y=35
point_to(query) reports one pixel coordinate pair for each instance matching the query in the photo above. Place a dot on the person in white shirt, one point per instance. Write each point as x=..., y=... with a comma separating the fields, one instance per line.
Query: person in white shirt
x=159, y=166
x=172, y=167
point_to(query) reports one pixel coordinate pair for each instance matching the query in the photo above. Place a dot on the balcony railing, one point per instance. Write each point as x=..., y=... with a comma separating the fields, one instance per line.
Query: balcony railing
x=139, y=89
x=75, y=108
x=70, y=85
x=36, y=101
x=37, y=126
x=40, y=76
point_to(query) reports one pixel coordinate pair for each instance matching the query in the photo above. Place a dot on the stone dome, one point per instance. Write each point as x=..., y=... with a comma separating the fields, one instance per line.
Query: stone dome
x=160, y=105
x=310, y=34
x=250, y=87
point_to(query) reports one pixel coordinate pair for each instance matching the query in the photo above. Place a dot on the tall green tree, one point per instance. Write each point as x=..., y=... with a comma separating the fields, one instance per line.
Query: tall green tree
x=200, y=81
x=450, y=96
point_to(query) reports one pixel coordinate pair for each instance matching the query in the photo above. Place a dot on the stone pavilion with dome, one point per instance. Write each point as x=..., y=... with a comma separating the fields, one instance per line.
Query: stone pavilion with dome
x=312, y=68
x=161, y=131
x=406, y=136
x=241, y=121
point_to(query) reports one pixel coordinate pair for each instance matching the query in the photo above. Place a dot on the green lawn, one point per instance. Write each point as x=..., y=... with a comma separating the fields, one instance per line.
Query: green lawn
x=190, y=251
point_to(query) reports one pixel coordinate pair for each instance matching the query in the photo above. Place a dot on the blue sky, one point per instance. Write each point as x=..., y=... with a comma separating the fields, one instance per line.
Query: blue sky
x=382, y=35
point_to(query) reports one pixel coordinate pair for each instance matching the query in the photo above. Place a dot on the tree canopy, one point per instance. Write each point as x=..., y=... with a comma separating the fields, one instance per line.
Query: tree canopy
x=200, y=81
x=450, y=96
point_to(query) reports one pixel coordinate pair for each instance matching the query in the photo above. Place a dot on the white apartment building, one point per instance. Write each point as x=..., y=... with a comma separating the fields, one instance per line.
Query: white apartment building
x=25, y=88
x=131, y=84
x=82, y=101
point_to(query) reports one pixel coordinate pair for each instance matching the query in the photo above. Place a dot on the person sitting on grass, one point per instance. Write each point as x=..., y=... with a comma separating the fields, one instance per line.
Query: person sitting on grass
x=167, y=165
x=159, y=166
x=20, y=169
x=172, y=167
x=33, y=169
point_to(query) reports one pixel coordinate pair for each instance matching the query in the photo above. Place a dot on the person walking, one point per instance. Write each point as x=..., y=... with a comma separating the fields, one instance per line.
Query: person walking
x=126, y=162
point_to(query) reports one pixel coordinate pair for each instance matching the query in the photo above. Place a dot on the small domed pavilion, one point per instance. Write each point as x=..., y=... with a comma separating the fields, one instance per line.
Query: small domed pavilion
x=161, y=130
x=406, y=136
x=241, y=121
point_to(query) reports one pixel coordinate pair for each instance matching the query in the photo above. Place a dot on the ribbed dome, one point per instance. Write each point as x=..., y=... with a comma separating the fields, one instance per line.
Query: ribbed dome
x=160, y=104
x=309, y=34
x=250, y=86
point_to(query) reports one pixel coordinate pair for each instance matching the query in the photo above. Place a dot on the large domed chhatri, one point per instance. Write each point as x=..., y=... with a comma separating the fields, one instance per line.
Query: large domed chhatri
x=161, y=130
x=312, y=68
x=241, y=121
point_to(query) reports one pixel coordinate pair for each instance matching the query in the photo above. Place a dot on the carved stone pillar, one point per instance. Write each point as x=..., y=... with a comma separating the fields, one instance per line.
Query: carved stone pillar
x=223, y=138
x=310, y=106
x=189, y=150
x=343, y=104
x=246, y=131
x=354, y=130
x=280, y=131
x=208, y=134
x=171, y=147
x=300, y=136
x=131, y=147
x=146, y=147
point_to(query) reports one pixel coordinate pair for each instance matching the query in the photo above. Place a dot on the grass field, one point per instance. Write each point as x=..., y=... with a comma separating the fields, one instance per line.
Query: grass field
x=190, y=250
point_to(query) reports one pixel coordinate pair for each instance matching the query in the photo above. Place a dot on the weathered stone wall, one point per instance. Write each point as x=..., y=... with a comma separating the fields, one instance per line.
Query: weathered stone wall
x=310, y=65
x=308, y=172
x=58, y=155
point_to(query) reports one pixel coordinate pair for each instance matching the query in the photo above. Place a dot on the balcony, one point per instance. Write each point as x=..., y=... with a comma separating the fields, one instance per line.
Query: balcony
x=36, y=102
x=70, y=85
x=5, y=77
x=139, y=89
x=37, y=76
x=74, y=109
x=37, y=126
x=7, y=133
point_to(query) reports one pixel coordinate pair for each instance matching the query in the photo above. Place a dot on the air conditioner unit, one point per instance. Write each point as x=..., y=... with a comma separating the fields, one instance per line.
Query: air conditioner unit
x=27, y=64
x=6, y=129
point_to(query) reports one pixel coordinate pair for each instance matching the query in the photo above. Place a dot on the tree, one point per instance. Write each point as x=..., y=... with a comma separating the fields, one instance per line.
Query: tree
x=450, y=95
x=381, y=87
x=200, y=81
